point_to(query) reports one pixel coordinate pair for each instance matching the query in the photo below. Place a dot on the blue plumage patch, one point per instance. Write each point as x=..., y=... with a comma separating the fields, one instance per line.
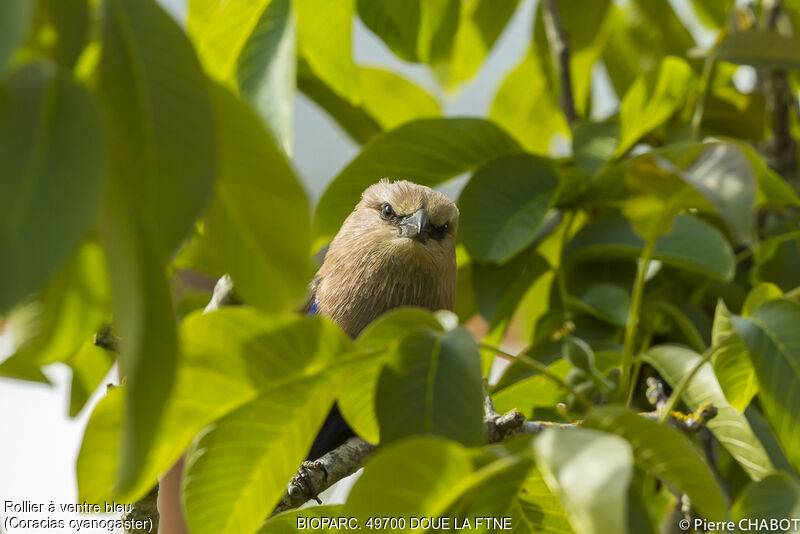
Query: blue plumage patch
x=313, y=309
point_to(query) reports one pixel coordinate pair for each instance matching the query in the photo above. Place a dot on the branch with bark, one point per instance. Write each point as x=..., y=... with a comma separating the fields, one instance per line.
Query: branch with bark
x=781, y=147
x=559, y=48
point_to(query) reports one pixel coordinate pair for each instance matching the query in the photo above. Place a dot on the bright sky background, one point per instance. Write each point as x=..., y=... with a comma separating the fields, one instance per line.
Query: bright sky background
x=39, y=443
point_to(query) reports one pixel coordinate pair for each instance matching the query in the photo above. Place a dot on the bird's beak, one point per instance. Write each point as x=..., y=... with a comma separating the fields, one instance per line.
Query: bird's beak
x=416, y=225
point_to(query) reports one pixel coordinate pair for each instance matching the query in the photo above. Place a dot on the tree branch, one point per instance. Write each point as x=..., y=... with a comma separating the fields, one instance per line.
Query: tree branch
x=781, y=147
x=559, y=48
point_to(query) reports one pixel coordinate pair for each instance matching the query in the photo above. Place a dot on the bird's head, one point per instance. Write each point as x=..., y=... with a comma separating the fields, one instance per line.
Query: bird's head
x=406, y=214
x=397, y=248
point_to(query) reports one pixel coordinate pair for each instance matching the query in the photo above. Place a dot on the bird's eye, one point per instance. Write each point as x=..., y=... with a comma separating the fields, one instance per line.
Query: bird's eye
x=387, y=212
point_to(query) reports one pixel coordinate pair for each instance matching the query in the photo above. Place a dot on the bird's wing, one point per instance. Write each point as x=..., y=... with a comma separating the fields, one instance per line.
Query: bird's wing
x=310, y=307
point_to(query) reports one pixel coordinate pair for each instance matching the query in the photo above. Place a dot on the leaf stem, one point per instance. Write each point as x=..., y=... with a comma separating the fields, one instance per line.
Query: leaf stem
x=705, y=83
x=539, y=367
x=632, y=325
x=560, y=277
x=637, y=367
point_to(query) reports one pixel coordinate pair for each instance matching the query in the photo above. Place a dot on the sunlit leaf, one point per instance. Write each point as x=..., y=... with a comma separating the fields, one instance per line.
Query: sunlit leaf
x=324, y=34
x=228, y=359
x=254, y=450
x=730, y=427
x=536, y=509
x=480, y=24
x=163, y=167
x=770, y=335
x=250, y=46
x=526, y=105
x=414, y=30
x=426, y=488
x=731, y=363
x=652, y=99
x=666, y=453
x=594, y=494
x=69, y=310
x=258, y=221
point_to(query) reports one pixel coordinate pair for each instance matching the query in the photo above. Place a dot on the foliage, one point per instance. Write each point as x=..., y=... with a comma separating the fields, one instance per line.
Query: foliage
x=141, y=154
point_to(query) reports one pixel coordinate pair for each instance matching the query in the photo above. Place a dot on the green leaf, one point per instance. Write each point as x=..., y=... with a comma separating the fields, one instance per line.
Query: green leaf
x=426, y=151
x=414, y=30
x=97, y=460
x=728, y=112
x=712, y=13
x=162, y=142
x=607, y=302
x=525, y=104
x=593, y=144
x=387, y=101
x=770, y=336
x=431, y=384
x=652, y=99
x=732, y=366
x=62, y=30
x=258, y=221
x=288, y=522
x=724, y=176
x=763, y=292
x=324, y=34
x=163, y=167
x=528, y=394
x=250, y=46
x=504, y=205
x=536, y=509
x=594, y=494
x=228, y=358
x=71, y=308
x=393, y=100
x=498, y=289
x=51, y=145
x=360, y=383
x=692, y=245
x=429, y=475
x=760, y=48
x=15, y=16
x=480, y=24
x=90, y=365
x=777, y=496
x=145, y=323
x=356, y=122
x=644, y=31
x=730, y=427
x=666, y=453
x=255, y=450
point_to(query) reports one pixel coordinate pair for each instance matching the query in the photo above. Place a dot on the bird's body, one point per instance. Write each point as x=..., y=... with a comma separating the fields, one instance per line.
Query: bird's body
x=397, y=248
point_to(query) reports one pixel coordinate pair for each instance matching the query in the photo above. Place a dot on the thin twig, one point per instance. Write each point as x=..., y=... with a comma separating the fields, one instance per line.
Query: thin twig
x=540, y=368
x=559, y=48
x=781, y=148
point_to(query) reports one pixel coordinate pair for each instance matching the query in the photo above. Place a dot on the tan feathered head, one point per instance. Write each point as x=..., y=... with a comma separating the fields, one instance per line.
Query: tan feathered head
x=397, y=248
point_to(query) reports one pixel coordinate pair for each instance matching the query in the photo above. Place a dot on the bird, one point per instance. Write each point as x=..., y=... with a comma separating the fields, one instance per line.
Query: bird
x=396, y=248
